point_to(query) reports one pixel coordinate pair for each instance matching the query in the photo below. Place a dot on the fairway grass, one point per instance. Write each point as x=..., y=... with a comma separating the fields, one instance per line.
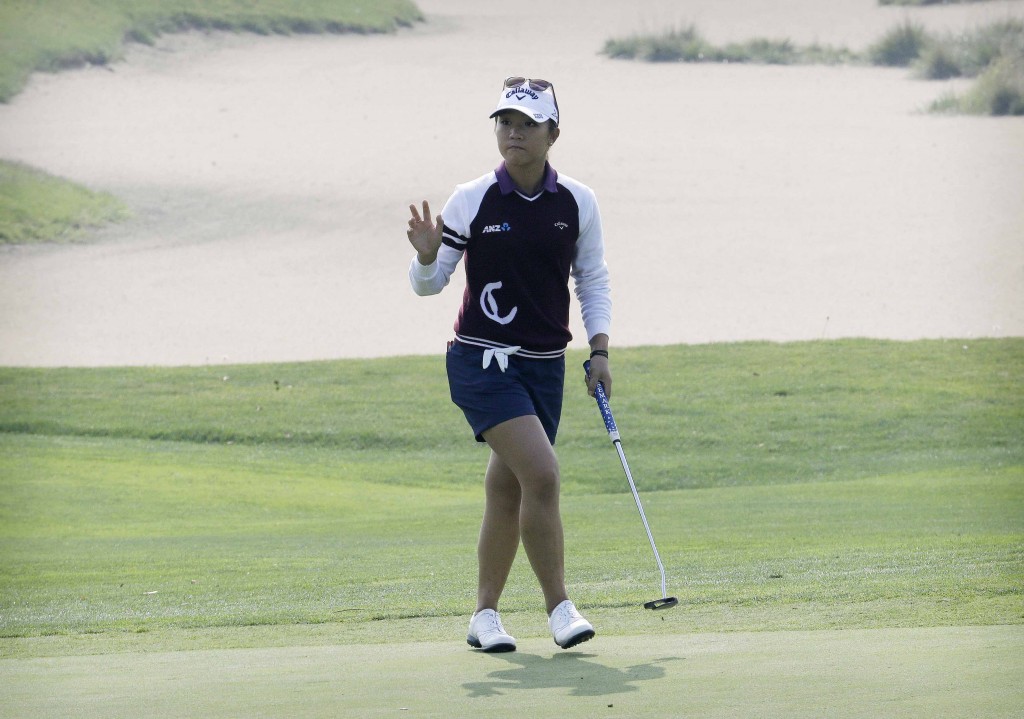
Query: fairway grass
x=797, y=486
x=225, y=541
x=214, y=545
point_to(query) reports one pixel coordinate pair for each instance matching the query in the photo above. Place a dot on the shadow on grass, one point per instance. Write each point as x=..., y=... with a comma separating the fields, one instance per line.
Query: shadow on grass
x=570, y=671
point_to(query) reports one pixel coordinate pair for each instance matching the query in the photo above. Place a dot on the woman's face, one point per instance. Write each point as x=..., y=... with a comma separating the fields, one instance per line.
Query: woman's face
x=521, y=139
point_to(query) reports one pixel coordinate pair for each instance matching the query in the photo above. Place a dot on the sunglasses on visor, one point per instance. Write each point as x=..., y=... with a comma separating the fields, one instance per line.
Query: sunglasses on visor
x=534, y=84
x=538, y=85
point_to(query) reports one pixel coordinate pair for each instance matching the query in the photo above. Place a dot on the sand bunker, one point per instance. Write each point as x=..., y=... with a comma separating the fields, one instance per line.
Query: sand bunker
x=270, y=179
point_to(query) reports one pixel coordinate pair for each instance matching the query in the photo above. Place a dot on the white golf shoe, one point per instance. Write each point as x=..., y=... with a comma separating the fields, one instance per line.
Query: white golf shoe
x=568, y=626
x=486, y=632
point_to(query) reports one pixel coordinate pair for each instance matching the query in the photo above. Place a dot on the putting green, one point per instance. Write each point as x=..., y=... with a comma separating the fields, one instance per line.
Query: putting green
x=949, y=672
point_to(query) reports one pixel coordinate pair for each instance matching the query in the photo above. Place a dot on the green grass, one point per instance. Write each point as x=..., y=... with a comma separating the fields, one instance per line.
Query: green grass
x=37, y=207
x=795, y=486
x=50, y=35
x=994, y=54
x=953, y=673
x=657, y=672
x=771, y=413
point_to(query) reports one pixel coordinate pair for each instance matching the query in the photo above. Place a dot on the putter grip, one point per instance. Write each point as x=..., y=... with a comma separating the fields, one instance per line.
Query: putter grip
x=602, y=404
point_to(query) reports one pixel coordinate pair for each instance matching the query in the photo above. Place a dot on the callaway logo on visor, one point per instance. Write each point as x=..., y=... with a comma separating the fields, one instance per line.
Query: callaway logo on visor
x=522, y=94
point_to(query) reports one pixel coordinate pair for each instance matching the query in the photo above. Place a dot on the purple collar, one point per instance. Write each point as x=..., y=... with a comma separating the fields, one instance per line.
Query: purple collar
x=507, y=186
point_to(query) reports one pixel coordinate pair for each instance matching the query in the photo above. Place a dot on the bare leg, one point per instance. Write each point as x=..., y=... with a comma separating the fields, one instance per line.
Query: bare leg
x=499, y=533
x=521, y=451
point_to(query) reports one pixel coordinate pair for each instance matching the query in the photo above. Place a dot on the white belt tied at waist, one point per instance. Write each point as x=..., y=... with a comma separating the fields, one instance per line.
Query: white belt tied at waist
x=501, y=353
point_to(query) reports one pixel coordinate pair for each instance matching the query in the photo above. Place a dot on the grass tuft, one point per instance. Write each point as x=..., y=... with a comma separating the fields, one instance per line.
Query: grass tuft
x=688, y=45
x=994, y=54
x=677, y=44
x=899, y=47
x=998, y=91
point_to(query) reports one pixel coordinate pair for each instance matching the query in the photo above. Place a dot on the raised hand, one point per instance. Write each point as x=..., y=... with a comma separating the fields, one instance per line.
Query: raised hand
x=424, y=235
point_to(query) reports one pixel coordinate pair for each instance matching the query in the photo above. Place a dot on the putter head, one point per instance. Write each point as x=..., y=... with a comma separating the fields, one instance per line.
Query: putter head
x=664, y=603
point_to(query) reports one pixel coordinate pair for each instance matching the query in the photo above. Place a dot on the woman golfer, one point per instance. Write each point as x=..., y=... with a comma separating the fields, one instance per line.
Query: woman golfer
x=522, y=229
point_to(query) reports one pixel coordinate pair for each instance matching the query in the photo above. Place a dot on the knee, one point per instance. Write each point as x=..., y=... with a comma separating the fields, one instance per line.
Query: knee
x=542, y=486
x=504, y=503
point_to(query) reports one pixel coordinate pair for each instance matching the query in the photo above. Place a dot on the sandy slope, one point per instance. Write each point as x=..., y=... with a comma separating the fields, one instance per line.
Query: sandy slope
x=270, y=179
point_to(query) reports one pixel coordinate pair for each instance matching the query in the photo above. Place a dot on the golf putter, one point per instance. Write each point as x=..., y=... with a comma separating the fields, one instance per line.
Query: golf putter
x=613, y=433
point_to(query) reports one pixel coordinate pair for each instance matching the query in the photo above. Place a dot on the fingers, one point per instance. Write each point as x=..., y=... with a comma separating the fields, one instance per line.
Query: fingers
x=592, y=387
x=423, y=234
x=599, y=372
x=418, y=219
x=416, y=213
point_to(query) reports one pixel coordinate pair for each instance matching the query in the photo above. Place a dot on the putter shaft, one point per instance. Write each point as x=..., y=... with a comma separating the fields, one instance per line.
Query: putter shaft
x=643, y=517
x=613, y=434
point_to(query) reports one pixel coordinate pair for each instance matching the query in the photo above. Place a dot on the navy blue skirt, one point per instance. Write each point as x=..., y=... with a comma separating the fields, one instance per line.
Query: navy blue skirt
x=490, y=396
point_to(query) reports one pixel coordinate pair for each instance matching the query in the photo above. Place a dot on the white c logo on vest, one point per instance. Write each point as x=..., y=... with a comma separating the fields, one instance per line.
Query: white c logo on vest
x=490, y=305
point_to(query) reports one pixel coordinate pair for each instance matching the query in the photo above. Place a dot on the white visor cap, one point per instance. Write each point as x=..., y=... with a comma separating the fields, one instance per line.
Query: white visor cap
x=539, y=106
